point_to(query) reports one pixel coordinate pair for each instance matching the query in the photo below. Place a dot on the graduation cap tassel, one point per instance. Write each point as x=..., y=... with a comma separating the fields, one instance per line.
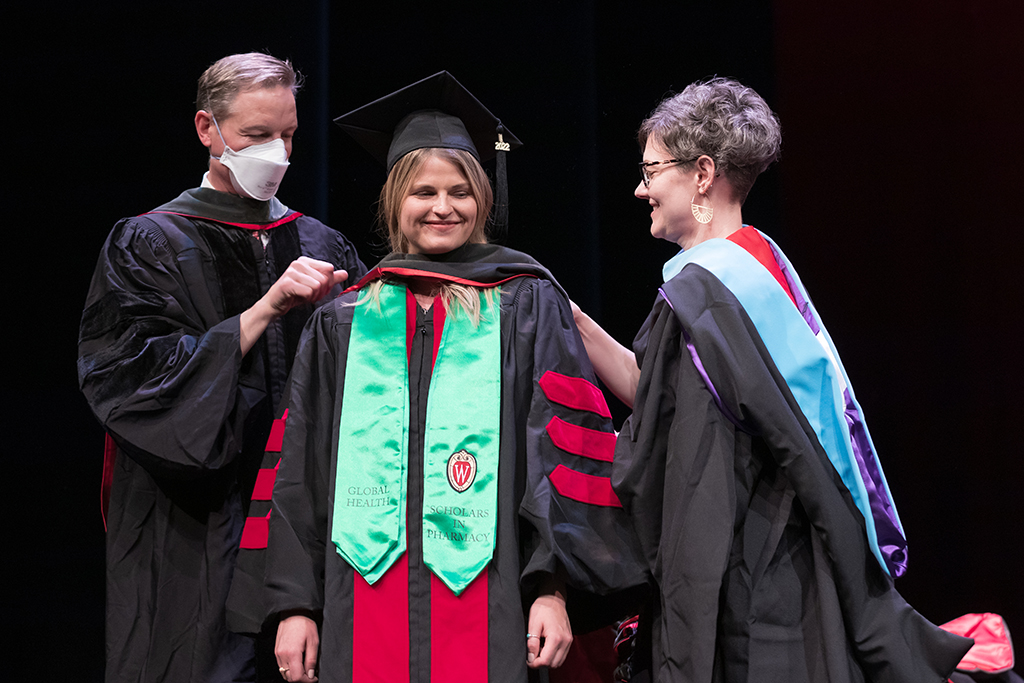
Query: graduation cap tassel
x=501, y=183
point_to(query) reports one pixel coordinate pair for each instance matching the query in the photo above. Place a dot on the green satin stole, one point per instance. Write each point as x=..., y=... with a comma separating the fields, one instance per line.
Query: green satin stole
x=460, y=450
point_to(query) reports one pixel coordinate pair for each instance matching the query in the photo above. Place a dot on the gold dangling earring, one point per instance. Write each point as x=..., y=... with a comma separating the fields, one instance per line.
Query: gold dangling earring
x=703, y=214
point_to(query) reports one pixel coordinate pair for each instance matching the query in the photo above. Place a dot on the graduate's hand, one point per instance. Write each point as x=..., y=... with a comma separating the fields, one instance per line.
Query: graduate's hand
x=296, y=649
x=306, y=280
x=549, y=634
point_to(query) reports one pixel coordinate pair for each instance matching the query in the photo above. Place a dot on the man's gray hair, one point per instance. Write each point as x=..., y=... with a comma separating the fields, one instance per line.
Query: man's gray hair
x=221, y=83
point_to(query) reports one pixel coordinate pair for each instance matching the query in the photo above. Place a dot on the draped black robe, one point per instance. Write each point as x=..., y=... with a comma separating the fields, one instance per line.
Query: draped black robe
x=759, y=553
x=409, y=626
x=161, y=367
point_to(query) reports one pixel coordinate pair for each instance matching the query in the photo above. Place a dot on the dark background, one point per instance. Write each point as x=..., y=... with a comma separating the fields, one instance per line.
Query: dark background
x=895, y=199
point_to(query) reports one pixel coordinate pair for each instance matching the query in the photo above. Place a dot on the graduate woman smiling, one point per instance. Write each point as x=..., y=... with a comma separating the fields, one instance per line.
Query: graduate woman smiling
x=453, y=379
x=439, y=212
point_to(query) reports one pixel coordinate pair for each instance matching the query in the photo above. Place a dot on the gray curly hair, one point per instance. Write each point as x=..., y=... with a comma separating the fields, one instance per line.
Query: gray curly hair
x=227, y=77
x=723, y=119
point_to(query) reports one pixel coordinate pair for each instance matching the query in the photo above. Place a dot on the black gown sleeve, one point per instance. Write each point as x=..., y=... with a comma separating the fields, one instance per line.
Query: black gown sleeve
x=301, y=503
x=642, y=447
x=159, y=379
x=573, y=524
x=349, y=260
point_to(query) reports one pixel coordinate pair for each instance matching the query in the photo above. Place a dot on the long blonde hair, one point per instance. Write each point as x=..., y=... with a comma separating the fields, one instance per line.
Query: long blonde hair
x=457, y=299
x=389, y=210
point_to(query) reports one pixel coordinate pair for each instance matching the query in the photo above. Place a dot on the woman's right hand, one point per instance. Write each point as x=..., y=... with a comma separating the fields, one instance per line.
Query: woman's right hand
x=298, y=642
x=577, y=314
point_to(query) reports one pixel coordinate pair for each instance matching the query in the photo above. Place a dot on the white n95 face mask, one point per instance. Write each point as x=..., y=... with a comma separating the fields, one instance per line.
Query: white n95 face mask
x=257, y=170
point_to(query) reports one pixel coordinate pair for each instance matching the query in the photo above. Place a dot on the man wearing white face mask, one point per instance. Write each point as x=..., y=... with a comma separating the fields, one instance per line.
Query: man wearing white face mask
x=261, y=128
x=256, y=170
x=188, y=334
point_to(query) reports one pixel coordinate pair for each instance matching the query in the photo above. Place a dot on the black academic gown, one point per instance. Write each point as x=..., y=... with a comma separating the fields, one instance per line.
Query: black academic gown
x=539, y=530
x=161, y=367
x=760, y=555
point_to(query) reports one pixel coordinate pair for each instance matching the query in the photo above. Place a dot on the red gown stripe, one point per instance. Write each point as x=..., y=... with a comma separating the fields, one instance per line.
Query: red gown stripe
x=265, y=478
x=574, y=392
x=459, y=632
x=380, y=626
x=276, y=438
x=255, y=533
x=439, y=318
x=458, y=624
x=586, y=488
x=589, y=443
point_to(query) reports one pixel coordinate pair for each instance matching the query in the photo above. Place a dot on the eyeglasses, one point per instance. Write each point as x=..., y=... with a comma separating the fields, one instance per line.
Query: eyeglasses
x=644, y=165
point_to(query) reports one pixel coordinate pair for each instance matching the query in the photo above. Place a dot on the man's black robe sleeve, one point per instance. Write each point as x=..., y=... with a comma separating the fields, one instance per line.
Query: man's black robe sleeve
x=161, y=381
x=300, y=509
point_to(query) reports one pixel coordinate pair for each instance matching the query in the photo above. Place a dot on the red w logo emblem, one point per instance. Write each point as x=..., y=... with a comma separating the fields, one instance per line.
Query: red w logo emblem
x=461, y=470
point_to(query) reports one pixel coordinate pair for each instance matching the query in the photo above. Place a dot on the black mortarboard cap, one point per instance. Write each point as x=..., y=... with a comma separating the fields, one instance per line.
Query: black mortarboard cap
x=434, y=112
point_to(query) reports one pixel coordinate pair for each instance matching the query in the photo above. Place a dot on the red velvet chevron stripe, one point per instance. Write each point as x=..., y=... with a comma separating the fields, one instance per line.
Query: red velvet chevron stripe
x=265, y=478
x=574, y=392
x=257, y=529
x=585, y=488
x=276, y=439
x=255, y=533
x=589, y=443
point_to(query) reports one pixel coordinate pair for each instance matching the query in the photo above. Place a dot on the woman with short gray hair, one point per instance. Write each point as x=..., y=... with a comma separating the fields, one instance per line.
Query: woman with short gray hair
x=746, y=465
x=720, y=118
